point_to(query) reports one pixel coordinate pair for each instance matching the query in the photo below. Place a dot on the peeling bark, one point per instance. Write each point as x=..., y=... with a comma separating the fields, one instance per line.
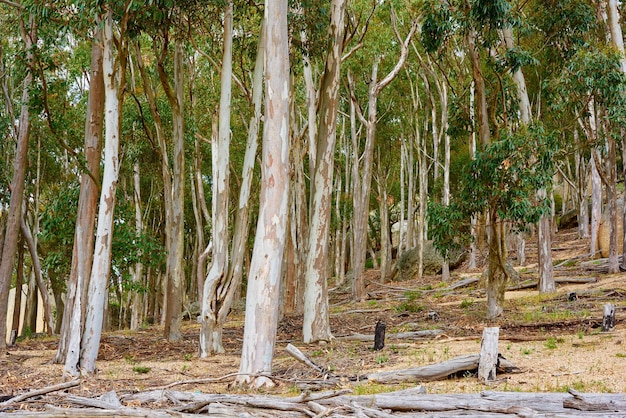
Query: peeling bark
x=82, y=253
x=101, y=267
x=316, y=324
x=267, y=258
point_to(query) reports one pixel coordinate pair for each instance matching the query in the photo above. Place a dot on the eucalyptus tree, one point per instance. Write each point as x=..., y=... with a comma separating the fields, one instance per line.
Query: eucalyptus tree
x=316, y=323
x=617, y=39
x=484, y=26
x=266, y=265
x=544, y=228
x=113, y=65
x=363, y=162
x=175, y=96
x=82, y=253
x=600, y=96
x=28, y=29
x=211, y=330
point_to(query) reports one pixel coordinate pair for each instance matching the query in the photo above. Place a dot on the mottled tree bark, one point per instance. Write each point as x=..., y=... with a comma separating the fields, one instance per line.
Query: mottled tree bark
x=316, y=324
x=267, y=258
x=82, y=253
x=98, y=289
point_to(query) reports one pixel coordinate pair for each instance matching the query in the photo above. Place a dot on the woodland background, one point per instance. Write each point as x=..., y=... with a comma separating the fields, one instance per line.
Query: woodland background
x=393, y=125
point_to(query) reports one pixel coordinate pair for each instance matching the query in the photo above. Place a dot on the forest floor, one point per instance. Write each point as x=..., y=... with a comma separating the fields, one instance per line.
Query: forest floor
x=557, y=343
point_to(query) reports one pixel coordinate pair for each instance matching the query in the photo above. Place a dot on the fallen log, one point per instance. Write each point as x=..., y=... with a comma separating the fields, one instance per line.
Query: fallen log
x=529, y=284
x=412, y=335
x=427, y=373
x=386, y=405
x=462, y=283
x=514, y=404
x=438, y=371
x=57, y=412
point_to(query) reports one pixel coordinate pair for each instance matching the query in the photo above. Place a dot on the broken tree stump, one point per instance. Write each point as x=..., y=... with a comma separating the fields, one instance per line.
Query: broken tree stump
x=608, y=319
x=379, y=335
x=488, y=354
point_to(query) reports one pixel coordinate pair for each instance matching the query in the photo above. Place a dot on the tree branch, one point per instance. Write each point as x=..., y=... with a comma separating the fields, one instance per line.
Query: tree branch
x=12, y=4
x=403, y=54
x=359, y=112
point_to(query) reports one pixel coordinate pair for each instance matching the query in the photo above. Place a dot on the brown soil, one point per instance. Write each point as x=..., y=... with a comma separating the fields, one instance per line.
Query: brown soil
x=556, y=342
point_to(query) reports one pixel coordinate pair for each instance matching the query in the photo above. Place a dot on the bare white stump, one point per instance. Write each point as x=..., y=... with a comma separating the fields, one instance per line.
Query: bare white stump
x=488, y=354
x=608, y=319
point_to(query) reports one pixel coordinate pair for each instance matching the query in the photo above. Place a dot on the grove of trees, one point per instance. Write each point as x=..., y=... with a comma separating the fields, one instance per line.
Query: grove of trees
x=165, y=158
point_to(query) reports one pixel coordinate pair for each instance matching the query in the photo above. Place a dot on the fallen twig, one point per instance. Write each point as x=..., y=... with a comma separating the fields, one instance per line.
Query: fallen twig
x=42, y=391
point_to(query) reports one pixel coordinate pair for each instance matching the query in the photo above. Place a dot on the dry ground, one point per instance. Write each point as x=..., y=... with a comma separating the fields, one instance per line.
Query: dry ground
x=556, y=342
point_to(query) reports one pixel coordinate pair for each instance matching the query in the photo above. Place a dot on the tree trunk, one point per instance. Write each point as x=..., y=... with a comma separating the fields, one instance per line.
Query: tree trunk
x=167, y=177
x=267, y=258
x=175, y=262
x=472, y=150
x=7, y=261
x=615, y=29
x=30, y=316
x=383, y=209
x=216, y=280
x=298, y=227
x=479, y=90
x=582, y=189
x=596, y=182
x=496, y=273
x=423, y=199
x=100, y=270
x=316, y=324
x=445, y=199
x=544, y=242
x=617, y=40
x=82, y=253
x=200, y=244
x=19, y=280
x=137, y=295
x=36, y=266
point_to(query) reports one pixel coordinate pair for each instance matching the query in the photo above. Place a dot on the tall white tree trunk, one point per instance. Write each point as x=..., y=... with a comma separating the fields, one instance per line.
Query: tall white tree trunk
x=242, y=221
x=615, y=29
x=82, y=253
x=383, y=209
x=617, y=40
x=100, y=270
x=422, y=174
x=472, y=150
x=136, y=315
x=445, y=198
x=316, y=324
x=267, y=258
x=210, y=334
x=596, y=183
x=581, y=169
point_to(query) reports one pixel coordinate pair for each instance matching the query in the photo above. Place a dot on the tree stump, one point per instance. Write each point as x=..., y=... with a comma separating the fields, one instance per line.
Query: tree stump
x=488, y=354
x=608, y=320
x=379, y=335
